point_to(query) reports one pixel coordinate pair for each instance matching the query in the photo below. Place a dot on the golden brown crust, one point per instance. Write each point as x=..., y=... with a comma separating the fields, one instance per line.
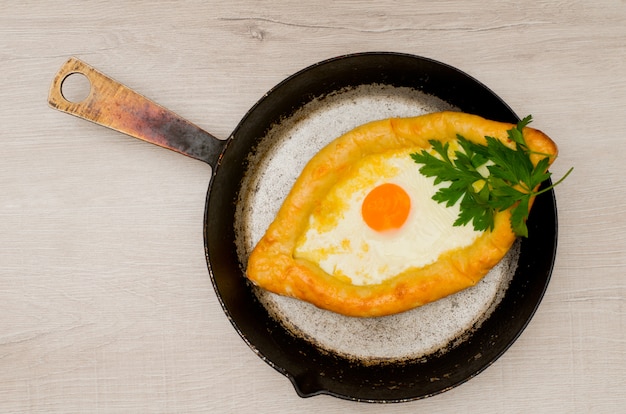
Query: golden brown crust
x=272, y=265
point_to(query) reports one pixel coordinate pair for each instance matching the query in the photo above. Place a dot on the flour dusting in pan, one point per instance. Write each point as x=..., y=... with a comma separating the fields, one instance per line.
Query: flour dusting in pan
x=278, y=162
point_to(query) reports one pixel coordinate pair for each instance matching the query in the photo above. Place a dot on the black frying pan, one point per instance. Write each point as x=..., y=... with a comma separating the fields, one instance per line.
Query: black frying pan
x=314, y=369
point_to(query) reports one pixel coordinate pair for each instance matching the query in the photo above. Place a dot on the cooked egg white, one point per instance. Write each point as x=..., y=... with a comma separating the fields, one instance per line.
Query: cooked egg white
x=339, y=241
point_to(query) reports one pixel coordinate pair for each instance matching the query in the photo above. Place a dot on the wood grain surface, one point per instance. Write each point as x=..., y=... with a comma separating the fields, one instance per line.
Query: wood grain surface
x=106, y=305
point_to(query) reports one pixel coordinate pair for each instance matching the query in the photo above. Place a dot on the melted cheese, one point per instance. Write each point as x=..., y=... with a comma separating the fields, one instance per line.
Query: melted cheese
x=340, y=242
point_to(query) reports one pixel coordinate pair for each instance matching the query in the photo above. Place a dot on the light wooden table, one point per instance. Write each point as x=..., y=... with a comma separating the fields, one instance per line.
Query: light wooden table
x=105, y=301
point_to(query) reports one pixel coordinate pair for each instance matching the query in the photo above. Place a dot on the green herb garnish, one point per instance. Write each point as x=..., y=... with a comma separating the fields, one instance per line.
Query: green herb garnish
x=487, y=178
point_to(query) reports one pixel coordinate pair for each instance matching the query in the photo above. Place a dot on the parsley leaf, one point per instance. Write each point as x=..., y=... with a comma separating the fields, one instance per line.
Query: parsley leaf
x=487, y=179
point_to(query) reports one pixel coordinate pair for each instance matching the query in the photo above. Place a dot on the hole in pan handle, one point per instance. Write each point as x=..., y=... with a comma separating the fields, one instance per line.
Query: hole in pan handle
x=118, y=107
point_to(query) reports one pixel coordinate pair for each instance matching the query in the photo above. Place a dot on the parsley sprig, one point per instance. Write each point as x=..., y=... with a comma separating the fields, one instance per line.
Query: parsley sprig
x=487, y=178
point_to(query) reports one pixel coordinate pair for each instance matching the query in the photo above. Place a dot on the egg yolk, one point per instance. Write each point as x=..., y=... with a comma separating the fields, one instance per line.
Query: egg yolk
x=386, y=207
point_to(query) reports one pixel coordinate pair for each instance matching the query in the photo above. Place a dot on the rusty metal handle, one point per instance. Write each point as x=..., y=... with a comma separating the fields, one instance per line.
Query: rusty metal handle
x=118, y=107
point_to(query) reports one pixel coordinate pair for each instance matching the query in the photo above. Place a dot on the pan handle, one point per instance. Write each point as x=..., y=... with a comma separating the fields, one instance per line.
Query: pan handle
x=118, y=107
